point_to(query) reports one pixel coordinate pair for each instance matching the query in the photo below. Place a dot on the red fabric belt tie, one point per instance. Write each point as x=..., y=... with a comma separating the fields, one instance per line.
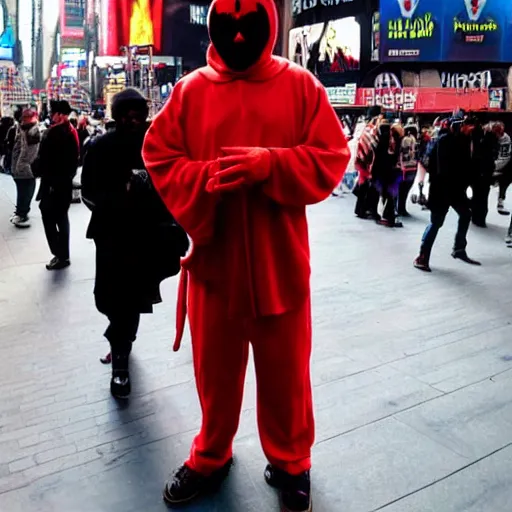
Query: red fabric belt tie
x=181, y=309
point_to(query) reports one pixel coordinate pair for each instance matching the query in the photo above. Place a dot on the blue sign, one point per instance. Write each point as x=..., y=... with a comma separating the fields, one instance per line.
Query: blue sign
x=442, y=30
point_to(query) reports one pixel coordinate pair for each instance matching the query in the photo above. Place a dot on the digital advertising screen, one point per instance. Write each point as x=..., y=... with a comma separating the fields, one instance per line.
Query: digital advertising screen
x=329, y=47
x=454, y=30
x=133, y=23
x=72, y=17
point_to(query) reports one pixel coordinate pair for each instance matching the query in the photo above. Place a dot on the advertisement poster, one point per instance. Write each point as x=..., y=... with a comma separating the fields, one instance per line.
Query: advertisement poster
x=455, y=30
x=134, y=23
x=411, y=30
x=342, y=95
x=376, y=36
x=330, y=47
x=72, y=18
x=475, y=30
x=497, y=98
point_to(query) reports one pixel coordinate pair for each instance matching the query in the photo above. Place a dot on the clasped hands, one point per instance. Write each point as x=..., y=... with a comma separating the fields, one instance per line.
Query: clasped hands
x=239, y=167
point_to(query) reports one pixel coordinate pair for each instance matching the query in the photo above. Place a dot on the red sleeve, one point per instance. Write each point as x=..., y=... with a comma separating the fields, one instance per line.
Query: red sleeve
x=308, y=173
x=180, y=181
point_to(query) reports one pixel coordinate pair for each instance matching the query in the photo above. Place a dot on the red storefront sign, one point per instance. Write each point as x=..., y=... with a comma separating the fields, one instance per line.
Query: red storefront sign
x=424, y=99
x=133, y=23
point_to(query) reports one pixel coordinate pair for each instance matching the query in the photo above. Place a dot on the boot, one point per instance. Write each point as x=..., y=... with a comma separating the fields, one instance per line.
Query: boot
x=295, y=490
x=186, y=485
x=462, y=255
x=480, y=223
x=120, y=385
x=501, y=208
x=422, y=263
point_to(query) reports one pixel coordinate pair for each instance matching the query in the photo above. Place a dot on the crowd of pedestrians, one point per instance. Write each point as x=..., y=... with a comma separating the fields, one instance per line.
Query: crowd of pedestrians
x=461, y=159
x=51, y=149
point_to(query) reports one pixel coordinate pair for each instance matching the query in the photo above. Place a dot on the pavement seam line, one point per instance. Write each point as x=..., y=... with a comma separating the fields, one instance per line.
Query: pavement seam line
x=405, y=409
x=449, y=475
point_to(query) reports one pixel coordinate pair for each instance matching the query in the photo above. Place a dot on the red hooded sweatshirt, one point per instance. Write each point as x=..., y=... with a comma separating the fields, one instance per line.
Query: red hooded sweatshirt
x=249, y=245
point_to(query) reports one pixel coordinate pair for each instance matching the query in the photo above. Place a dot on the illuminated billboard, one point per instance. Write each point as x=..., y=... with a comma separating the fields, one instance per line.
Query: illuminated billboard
x=330, y=47
x=455, y=30
x=72, y=19
x=133, y=23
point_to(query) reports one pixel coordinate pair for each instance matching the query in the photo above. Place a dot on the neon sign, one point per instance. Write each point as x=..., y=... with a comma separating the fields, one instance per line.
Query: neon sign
x=420, y=27
x=299, y=6
x=474, y=27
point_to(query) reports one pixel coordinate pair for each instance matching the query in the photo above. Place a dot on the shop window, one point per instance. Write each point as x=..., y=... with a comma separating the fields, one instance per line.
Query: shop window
x=198, y=14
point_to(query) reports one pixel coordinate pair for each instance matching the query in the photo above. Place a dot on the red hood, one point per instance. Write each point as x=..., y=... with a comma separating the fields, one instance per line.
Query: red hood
x=266, y=67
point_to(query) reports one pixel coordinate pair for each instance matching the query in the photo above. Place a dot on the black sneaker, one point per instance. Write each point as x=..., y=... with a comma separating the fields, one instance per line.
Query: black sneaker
x=187, y=484
x=463, y=256
x=295, y=491
x=57, y=264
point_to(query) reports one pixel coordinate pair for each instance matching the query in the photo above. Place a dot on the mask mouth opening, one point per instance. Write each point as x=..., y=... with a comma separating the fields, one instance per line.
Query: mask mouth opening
x=240, y=40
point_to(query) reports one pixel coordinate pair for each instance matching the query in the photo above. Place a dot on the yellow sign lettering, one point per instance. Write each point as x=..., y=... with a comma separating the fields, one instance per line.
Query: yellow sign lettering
x=421, y=27
x=474, y=27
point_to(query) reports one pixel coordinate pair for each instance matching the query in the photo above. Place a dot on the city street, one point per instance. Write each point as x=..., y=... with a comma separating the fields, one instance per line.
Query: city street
x=412, y=379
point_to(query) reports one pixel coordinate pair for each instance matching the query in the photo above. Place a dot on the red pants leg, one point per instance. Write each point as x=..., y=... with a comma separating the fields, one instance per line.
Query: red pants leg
x=282, y=353
x=220, y=353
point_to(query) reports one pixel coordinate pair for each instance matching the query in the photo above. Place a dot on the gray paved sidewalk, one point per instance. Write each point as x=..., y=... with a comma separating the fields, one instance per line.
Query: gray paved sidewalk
x=412, y=374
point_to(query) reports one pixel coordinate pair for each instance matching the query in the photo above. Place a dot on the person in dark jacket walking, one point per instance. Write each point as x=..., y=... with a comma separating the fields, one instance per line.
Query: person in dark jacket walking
x=137, y=241
x=483, y=164
x=449, y=167
x=57, y=164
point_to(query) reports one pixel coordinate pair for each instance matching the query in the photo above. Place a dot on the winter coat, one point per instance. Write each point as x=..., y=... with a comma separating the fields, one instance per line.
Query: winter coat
x=56, y=165
x=5, y=125
x=83, y=135
x=366, y=152
x=138, y=244
x=409, y=155
x=449, y=167
x=504, y=153
x=25, y=151
x=484, y=155
x=387, y=154
x=9, y=141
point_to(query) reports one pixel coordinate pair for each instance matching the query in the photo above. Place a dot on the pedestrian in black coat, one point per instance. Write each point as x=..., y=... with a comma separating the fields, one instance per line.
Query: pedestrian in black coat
x=449, y=161
x=483, y=164
x=138, y=244
x=56, y=165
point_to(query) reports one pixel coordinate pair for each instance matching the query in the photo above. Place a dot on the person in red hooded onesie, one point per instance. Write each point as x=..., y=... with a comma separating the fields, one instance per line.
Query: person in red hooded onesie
x=237, y=153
